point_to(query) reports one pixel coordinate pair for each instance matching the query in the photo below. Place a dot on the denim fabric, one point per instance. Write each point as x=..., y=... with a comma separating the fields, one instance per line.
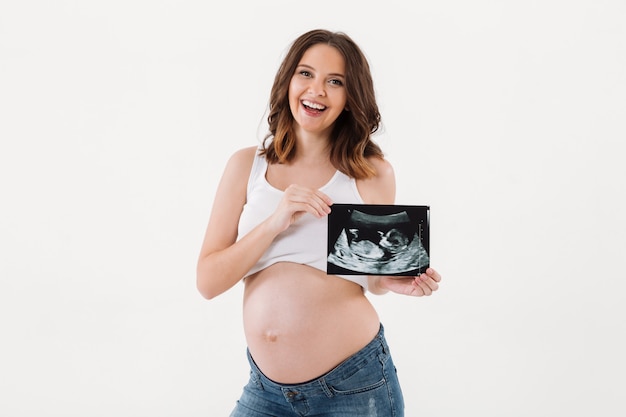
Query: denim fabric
x=363, y=385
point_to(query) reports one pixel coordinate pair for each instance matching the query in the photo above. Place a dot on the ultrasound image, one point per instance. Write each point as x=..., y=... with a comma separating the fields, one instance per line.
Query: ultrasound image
x=386, y=240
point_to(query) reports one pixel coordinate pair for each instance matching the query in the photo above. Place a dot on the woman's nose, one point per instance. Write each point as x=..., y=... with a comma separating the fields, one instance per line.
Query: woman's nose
x=317, y=88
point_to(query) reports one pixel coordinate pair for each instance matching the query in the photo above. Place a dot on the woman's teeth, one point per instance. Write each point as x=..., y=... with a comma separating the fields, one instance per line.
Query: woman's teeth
x=312, y=105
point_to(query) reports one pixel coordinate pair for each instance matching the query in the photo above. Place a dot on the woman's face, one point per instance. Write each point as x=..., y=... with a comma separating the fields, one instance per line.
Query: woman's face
x=317, y=93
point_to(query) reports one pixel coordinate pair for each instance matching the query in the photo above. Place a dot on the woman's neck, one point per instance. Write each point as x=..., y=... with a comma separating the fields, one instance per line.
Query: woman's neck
x=312, y=148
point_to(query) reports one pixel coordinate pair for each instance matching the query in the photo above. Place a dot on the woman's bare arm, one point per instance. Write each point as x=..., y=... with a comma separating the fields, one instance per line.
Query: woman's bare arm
x=223, y=259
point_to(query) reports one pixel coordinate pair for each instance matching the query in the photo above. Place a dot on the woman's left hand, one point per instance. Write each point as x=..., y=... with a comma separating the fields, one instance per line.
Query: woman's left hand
x=421, y=285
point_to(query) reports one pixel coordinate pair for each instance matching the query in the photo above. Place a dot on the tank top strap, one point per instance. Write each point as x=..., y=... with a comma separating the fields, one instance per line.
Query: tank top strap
x=258, y=170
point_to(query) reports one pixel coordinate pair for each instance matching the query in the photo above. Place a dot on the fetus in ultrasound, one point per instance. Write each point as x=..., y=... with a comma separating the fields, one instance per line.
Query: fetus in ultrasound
x=377, y=244
x=364, y=244
x=393, y=242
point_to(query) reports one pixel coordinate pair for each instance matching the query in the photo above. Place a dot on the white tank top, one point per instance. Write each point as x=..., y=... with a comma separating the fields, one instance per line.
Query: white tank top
x=305, y=241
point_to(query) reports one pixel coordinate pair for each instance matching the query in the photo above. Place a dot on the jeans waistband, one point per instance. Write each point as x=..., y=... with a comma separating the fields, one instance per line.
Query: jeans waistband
x=318, y=385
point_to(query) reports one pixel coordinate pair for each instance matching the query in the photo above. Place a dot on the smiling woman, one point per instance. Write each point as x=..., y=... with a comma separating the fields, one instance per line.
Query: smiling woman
x=316, y=93
x=315, y=342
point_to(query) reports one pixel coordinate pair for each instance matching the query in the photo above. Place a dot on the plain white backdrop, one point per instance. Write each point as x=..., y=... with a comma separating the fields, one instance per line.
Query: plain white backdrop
x=117, y=118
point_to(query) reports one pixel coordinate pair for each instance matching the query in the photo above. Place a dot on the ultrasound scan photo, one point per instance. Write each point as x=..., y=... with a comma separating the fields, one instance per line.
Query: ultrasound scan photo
x=371, y=239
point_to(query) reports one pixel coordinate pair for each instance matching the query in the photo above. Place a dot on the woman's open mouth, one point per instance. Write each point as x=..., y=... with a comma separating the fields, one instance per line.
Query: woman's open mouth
x=312, y=106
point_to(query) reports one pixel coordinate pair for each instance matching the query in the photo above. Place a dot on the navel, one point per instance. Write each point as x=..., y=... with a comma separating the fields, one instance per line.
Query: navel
x=271, y=336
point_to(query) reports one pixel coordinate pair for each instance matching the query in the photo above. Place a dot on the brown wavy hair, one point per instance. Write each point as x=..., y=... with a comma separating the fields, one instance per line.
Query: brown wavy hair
x=351, y=142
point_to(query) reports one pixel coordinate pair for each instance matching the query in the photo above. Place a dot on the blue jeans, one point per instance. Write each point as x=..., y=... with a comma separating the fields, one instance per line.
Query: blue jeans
x=363, y=385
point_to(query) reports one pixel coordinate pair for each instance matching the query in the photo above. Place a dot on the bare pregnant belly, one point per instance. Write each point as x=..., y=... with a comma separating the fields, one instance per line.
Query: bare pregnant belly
x=300, y=323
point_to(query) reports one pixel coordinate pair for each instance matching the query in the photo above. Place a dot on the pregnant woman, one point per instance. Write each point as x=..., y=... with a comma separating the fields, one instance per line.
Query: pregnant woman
x=316, y=346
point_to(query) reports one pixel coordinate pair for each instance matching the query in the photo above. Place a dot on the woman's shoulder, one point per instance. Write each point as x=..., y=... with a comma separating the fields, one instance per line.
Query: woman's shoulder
x=383, y=168
x=242, y=159
x=239, y=166
x=244, y=155
x=381, y=187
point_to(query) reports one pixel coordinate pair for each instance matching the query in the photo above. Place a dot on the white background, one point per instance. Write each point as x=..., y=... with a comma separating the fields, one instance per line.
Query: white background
x=116, y=120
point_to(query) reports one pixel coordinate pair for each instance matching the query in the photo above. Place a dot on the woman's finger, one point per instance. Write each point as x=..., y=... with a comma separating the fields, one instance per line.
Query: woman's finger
x=429, y=281
x=433, y=274
x=314, y=202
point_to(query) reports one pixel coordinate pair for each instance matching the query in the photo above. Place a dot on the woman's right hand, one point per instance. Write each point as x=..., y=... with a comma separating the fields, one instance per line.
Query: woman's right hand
x=296, y=201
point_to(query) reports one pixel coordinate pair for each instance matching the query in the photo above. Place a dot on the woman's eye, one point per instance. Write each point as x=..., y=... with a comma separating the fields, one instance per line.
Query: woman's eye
x=336, y=82
x=305, y=73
